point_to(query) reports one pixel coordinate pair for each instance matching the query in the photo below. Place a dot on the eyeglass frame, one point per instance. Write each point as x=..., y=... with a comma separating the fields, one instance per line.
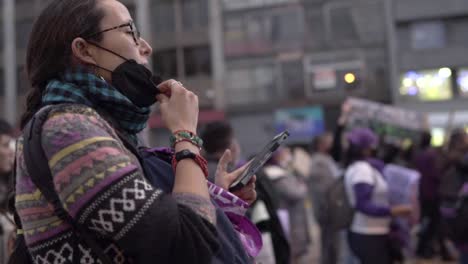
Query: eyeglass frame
x=135, y=32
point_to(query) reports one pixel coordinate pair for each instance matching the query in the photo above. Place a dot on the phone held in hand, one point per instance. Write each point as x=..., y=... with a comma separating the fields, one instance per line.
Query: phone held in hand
x=258, y=161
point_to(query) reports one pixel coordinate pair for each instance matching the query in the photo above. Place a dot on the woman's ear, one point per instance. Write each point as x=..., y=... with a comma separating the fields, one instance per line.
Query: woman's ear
x=83, y=51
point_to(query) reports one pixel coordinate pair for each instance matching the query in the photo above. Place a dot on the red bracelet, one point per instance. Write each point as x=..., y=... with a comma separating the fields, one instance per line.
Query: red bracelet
x=199, y=160
x=186, y=140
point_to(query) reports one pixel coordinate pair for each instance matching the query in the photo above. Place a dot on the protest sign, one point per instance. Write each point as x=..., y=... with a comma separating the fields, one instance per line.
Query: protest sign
x=402, y=184
x=392, y=122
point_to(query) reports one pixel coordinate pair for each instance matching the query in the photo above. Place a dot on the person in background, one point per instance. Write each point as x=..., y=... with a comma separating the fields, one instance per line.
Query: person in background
x=291, y=192
x=454, y=192
x=264, y=214
x=218, y=136
x=7, y=156
x=221, y=147
x=323, y=173
x=368, y=193
x=427, y=161
x=337, y=150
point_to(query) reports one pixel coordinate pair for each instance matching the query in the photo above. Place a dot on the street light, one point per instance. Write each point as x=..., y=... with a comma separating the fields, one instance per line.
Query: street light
x=350, y=78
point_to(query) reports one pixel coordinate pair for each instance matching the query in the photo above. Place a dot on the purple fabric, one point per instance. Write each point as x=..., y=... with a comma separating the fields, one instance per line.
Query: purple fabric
x=247, y=232
x=425, y=162
x=464, y=190
x=235, y=209
x=164, y=150
x=363, y=192
x=362, y=137
x=377, y=164
x=448, y=212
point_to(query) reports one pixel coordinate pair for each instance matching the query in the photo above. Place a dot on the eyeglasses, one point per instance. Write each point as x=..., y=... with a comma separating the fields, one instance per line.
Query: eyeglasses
x=135, y=32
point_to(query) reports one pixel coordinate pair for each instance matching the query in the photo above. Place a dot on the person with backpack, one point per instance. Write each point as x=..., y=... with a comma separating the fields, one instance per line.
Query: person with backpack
x=291, y=192
x=368, y=193
x=89, y=200
x=323, y=174
x=453, y=193
x=264, y=213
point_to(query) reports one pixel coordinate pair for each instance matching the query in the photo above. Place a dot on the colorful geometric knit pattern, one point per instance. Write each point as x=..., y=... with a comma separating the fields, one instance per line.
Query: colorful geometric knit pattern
x=100, y=184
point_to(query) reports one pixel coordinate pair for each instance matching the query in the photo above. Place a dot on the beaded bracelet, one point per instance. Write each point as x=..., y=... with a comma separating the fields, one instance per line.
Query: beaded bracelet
x=185, y=135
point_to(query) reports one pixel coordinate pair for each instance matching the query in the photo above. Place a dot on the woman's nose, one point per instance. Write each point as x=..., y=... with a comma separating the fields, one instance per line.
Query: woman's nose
x=145, y=48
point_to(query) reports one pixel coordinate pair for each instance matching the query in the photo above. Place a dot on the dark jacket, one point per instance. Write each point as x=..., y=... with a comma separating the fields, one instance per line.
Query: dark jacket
x=232, y=250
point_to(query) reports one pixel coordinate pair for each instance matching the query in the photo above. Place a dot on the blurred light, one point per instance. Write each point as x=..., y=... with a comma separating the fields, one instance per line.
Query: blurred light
x=412, y=75
x=413, y=90
x=445, y=72
x=421, y=82
x=438, y=136
x=407, y=82
x=350, y=78
x=437, y=81
x=463, y=82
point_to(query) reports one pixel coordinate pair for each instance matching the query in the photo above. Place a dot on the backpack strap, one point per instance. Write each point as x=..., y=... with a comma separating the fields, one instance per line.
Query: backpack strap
x=39, y=171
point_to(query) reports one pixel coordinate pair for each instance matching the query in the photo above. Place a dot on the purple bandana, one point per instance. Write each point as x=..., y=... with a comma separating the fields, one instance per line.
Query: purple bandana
x=235, y=209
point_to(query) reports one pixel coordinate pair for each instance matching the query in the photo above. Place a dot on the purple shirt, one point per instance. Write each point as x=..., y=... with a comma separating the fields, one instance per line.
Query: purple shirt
x=426, y=163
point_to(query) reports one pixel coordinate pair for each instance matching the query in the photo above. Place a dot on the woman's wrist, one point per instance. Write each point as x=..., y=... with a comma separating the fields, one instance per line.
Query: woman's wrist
x=191, y=137
x=186, y=145
x=182, y=128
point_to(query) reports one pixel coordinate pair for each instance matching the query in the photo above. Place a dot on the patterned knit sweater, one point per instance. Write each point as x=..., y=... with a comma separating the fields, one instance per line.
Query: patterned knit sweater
x=103, y=188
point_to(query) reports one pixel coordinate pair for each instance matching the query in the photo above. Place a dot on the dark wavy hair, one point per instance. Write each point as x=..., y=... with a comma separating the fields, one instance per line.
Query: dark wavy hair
x=49, y=50
x=217, y=136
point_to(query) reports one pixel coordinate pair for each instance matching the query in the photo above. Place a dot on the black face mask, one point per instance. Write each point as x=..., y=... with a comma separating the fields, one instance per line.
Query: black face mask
x=134, y=80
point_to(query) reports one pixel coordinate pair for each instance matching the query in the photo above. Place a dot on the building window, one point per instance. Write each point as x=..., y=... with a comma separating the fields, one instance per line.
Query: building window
x=428, y=35
x=293, y=79
x=163, y=16
x=427, y=85
x=23, y=30
x=194, y=14
x=234, y=36
x=288, y=28
x=248, y=34
x=165, y=63
x=315, y=27
x=258, y=34
x=342, y=25
x=197, y=61
x=251, y=84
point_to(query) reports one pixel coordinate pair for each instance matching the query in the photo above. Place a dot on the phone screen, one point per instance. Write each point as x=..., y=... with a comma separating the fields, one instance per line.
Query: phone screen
x=258, y=161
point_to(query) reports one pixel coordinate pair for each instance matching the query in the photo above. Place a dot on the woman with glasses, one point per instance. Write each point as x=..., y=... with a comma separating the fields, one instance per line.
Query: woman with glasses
x=87, y=59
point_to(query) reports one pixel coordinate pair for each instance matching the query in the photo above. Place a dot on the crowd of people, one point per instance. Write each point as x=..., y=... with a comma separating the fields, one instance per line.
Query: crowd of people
x=78, y=186
x=432, y=202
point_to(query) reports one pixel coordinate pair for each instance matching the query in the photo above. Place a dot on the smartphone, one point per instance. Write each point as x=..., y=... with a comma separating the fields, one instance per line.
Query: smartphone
x=258, y=161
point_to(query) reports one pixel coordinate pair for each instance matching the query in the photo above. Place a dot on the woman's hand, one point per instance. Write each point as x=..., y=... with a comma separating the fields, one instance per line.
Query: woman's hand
x=224, y=179
x=179, y=106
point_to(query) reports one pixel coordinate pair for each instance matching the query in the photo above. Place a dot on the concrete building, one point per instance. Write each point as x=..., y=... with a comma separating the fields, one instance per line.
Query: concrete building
x=430, y=63
x=277, y=54
x=288, y=53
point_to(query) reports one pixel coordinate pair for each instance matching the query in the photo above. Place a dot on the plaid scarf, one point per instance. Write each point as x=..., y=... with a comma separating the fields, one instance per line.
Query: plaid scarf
x=82, y=87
